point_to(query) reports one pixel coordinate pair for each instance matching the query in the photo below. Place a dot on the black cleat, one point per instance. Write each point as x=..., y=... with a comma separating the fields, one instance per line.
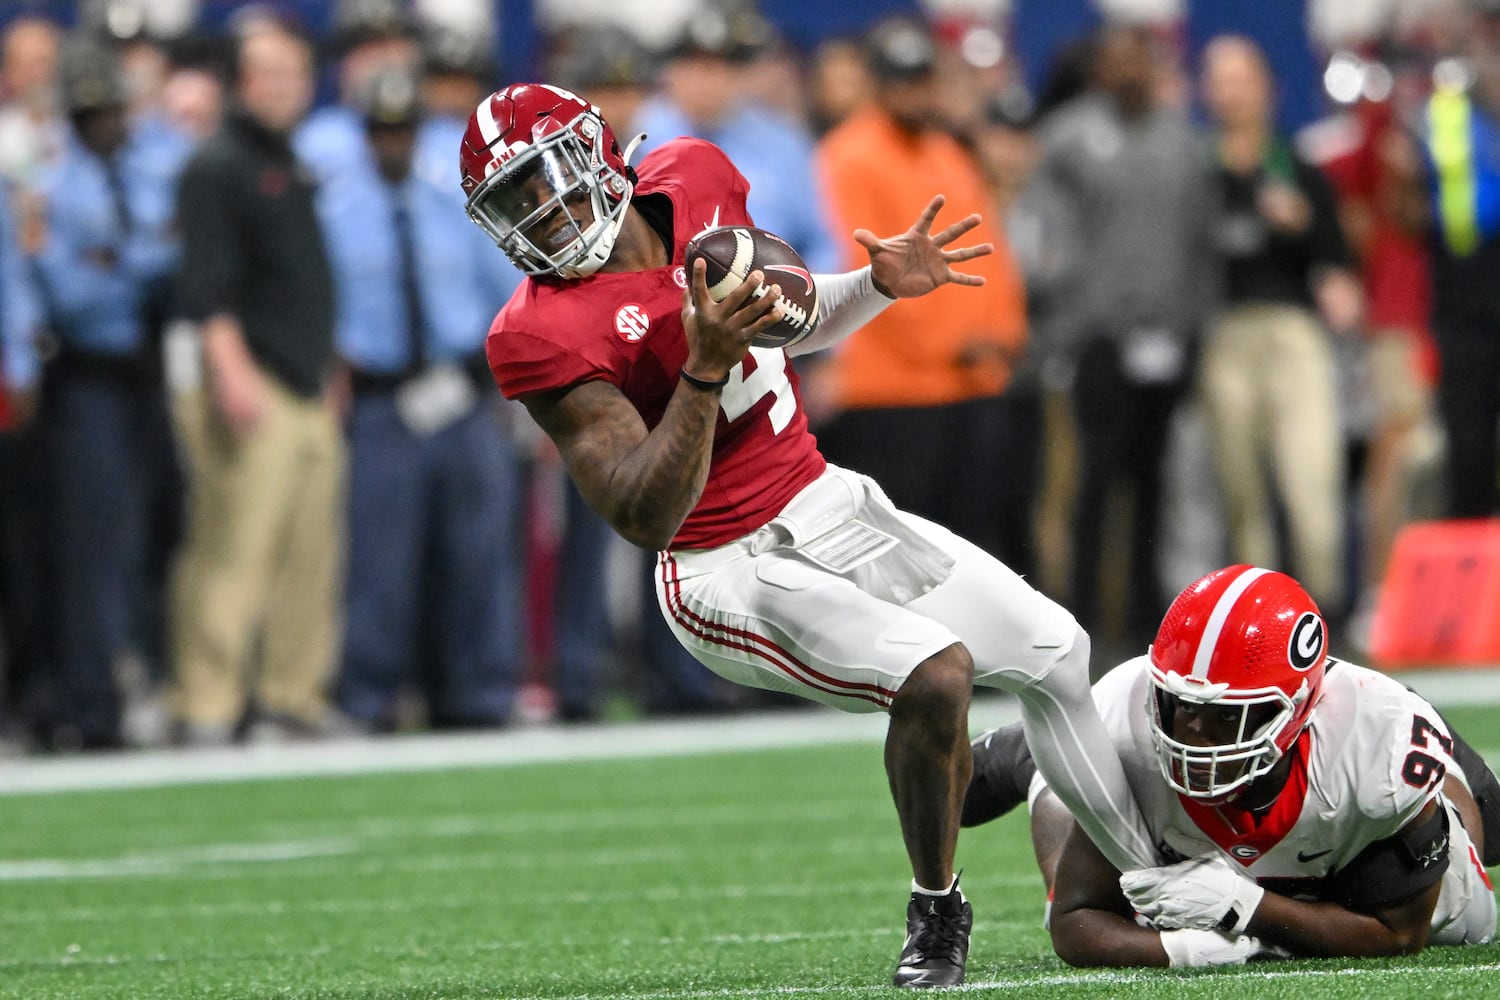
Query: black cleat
x=937, y=940
x=1002, y=775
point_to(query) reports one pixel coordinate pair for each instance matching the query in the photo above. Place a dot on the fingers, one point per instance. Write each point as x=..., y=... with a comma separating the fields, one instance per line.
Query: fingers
x=968, y=253
x=925, y=220
x=698, y=286
x=769, y=316
x=866, y=239
x=751, y=302
x=746, y=306
x=761, y=311
x=963, y=254
x=956, y=230
x=747, y=290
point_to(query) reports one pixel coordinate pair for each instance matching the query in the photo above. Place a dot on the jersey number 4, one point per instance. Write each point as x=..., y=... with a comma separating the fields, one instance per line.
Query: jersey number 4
x=1422, y=769
x=768, y=378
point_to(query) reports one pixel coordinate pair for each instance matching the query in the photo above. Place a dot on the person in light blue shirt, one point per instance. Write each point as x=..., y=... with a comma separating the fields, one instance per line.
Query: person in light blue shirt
x=20, y=312
x=20, y=555
x=458, y=71
x=109, y=249
x=335, y=147
x=702, y=94
x=333, y=143
x=433, y=591
x=438, y=139
x=109, y=472
x=460, y=289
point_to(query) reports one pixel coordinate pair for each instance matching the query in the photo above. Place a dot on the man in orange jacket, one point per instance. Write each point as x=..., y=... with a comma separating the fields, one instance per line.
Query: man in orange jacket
x=915, y=400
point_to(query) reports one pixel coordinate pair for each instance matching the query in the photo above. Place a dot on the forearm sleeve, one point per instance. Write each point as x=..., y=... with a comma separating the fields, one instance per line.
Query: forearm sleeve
x=846, y=302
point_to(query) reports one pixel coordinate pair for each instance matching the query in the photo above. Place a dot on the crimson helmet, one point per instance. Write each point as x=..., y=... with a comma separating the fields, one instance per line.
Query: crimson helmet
x=546, y=179
x=1240, y=639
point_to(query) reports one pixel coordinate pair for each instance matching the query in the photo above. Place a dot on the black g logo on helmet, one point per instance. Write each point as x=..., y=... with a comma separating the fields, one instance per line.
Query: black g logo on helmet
x=1305, y=647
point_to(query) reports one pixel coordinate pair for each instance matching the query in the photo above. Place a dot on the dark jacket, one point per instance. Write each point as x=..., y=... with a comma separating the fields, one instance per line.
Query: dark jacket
x=252, y=248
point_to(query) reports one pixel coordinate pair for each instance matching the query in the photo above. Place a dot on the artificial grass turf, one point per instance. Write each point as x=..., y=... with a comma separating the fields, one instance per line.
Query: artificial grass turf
x=743, y=874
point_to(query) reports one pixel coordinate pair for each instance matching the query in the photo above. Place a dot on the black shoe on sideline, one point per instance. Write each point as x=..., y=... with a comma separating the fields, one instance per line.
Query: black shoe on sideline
x=937, y=940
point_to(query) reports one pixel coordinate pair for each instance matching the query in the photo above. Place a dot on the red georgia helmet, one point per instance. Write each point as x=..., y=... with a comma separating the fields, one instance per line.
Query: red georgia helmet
x=546, y=179
x=1239, y=638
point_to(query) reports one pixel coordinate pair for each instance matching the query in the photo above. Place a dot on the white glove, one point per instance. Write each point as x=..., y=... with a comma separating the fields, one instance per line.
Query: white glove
x=1206, y=892
x=1196, y=949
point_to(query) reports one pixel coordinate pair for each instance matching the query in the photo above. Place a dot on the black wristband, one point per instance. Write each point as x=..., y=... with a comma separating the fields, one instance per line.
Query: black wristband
x=703, y=384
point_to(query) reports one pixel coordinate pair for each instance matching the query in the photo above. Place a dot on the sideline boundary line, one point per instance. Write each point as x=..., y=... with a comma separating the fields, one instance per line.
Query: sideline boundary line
x=445, y=751
x=787, y=729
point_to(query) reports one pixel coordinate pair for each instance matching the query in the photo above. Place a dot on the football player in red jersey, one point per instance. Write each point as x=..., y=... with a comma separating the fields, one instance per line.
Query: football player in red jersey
x=776, y=570
x=1302, y=805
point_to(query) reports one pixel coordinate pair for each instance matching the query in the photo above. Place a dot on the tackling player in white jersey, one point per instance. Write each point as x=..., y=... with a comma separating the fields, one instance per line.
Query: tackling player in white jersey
x=1301, y=805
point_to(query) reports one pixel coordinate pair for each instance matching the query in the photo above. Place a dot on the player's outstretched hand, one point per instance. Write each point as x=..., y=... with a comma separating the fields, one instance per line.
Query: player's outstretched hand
x=915, y=262
x=1206, y=893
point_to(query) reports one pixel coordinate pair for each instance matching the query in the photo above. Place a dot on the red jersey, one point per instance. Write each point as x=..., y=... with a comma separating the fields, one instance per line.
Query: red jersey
x=627, y=330
x=1349, y=148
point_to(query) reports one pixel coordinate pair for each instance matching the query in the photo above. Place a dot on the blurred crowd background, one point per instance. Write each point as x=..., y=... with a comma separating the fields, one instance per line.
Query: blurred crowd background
x=256, y=484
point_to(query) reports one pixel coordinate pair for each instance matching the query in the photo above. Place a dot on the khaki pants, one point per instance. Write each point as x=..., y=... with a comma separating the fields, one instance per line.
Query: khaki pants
x=263, y=559
x=1404, y=458
x=1269, y=392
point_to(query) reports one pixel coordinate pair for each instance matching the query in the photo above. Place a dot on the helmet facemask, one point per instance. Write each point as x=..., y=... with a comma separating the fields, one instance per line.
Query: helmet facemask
x=1264, y=723
x=557, y=207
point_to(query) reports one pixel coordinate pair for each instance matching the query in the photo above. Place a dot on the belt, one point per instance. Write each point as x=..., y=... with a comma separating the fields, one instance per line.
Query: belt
x=134, y=369
x=367, y=383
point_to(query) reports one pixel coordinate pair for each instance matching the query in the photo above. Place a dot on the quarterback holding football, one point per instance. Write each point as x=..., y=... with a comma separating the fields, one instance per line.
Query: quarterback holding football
x=680, y=420
x=1301, y=805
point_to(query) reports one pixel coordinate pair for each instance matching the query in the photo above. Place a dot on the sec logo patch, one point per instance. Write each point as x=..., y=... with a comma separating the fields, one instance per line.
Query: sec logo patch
x=632, y=322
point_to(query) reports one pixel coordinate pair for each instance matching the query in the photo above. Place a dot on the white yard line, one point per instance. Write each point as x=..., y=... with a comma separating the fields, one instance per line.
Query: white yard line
x=757, y=731
x=170, y=864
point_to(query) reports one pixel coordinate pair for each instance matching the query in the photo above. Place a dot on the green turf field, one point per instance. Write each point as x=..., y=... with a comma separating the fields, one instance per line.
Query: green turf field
x=764, y=873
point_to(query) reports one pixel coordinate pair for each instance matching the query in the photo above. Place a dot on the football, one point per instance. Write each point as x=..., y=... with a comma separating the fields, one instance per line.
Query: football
x=733, y=252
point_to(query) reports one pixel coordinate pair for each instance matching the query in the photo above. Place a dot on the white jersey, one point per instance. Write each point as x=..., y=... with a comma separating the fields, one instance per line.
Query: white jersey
x=1372, y=757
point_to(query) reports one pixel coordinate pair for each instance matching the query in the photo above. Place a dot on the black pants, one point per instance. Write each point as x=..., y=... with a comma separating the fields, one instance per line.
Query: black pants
x=113, y=494
x=1469, y=401
x=22, y=604
x=1122, y=432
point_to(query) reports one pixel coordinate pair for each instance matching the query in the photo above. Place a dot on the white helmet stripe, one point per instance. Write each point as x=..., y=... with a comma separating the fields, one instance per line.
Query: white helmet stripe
x=489, y=129
x=1220, y=614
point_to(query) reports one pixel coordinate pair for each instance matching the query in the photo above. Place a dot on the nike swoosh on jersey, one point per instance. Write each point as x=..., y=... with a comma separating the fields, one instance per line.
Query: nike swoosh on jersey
x=1312, y=855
